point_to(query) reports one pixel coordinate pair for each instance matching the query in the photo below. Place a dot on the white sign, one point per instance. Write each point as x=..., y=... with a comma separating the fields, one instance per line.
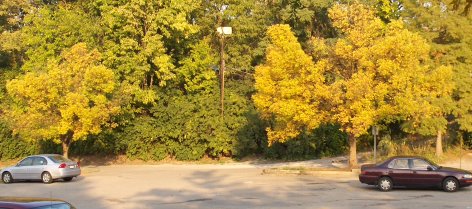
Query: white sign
x=225, y=30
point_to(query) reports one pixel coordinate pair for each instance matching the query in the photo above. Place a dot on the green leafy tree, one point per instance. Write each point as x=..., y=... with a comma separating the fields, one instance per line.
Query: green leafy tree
x=51, y=29
x=307, y=18
x=143, y=40
x=196, y=73
x=67, y=102
x=446, y=25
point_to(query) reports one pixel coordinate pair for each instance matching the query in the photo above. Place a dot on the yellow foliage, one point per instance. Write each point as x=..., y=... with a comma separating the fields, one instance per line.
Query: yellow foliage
x=376, y=73
x=289, y=86
x=72, y=96
x=379, y=70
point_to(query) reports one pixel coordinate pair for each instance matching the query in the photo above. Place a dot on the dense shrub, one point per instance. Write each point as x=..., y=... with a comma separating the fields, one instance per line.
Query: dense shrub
x=327, y=140
x=186, y=127
x=12, y=147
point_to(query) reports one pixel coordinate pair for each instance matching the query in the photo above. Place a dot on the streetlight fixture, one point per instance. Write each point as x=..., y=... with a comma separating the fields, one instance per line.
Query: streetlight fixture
x=223, y=31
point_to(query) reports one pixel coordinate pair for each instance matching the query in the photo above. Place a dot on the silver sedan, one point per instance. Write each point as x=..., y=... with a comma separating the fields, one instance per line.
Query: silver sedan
x=46, y=168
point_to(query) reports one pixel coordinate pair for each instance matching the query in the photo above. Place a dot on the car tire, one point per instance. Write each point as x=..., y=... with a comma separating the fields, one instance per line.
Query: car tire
x=385, y=184
x=46, y=178
x=7, y=178
x=450, y=184
x=68, y=178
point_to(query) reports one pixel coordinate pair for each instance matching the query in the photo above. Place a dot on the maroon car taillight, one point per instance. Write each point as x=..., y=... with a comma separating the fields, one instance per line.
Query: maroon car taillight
x=63, y=165
x=78, y=164
x=363, y=172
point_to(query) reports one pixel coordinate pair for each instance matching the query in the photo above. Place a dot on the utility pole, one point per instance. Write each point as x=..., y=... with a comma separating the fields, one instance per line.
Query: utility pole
x=222, y=72
x=222, y=31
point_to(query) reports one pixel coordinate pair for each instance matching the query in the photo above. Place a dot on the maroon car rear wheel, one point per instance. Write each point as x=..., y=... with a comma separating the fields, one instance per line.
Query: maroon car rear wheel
x=385, y=184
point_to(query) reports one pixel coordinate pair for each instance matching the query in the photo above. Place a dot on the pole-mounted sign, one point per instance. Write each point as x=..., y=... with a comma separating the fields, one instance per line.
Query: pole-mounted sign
x=375, y=132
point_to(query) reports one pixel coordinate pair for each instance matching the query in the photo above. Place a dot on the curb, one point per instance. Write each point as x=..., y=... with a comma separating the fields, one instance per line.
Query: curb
x=310, y=171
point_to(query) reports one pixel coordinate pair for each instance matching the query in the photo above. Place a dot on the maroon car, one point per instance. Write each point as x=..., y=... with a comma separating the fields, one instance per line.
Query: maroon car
x=410, y=171
x=31, y=202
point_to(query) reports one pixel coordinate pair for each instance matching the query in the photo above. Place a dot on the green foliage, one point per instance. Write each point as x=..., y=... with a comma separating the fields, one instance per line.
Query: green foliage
x=196, y=72
x=12, y=147
x=447, y=27
x=49, y=30
x=308, y=18
x=249, y=20
x=142, y=41
x=186, y=127
x=104, y=143
x=349, y=64
x=325, y=141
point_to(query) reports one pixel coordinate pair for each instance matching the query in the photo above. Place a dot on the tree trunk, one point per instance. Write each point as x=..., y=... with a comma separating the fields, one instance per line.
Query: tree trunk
x=439, y=149
x=65, y=149
x=66, y=140
x=352, y=151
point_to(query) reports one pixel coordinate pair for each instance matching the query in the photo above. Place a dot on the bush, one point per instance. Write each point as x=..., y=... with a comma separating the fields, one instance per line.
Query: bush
x=186, y=127
x=387, y=147
x=13, y=147
x=325, y=141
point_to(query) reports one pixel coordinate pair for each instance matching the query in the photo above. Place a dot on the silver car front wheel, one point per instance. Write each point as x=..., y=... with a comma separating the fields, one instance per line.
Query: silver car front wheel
x=46, y=177
x=7, y=178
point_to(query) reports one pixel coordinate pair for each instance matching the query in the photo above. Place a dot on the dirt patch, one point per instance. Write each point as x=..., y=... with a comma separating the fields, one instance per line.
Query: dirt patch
x=123, y=160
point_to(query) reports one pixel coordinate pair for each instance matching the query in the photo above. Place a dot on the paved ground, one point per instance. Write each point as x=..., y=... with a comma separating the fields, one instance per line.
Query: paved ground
x=227, y=186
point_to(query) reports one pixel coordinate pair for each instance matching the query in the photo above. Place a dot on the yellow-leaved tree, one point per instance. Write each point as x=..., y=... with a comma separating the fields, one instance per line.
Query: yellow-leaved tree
x=290, y=86
x=374, y=72
x=70, y=99
x=380, y=72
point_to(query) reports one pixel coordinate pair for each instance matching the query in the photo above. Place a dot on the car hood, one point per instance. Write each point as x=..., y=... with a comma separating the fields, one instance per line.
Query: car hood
x=456, y=170
x=30, y=202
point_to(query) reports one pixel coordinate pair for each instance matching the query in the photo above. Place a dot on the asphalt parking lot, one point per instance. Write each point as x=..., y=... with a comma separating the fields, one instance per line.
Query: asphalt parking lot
x=220, y=186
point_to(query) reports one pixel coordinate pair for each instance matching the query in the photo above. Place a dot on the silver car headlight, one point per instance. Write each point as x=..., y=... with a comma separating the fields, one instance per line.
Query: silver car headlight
x=468, y=176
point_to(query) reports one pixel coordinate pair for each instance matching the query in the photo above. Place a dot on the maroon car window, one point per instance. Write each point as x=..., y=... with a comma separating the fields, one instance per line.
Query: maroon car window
x=419, y=164
x=401, y=164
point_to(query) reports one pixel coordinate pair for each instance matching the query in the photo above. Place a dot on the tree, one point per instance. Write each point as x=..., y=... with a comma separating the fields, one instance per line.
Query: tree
x=72, y=99
x=144, y=41
x=379, y=72
x=290, y=87
x=307, y=18
x=446, y=25
x=372, y=73
x=51, y=29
